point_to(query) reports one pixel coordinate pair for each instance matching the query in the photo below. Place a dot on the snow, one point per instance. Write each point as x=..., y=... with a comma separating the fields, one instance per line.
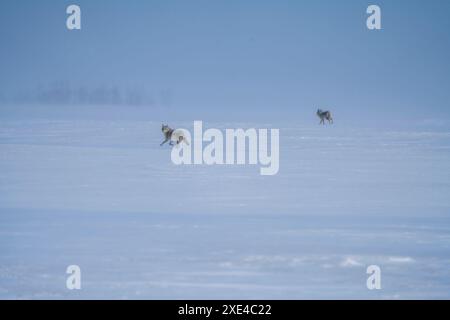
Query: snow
x=105, y=196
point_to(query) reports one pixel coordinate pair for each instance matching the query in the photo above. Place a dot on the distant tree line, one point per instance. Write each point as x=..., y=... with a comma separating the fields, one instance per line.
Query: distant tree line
x=64, y=94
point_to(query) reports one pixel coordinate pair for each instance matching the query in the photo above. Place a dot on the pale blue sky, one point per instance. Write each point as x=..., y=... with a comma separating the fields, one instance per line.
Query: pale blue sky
x=234, y=58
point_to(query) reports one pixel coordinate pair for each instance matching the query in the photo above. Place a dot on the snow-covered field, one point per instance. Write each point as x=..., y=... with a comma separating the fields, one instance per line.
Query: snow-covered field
x=105, y=196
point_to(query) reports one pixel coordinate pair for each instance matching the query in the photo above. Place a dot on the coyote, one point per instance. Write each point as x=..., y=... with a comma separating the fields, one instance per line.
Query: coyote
x=173, y=134
x=324, y=115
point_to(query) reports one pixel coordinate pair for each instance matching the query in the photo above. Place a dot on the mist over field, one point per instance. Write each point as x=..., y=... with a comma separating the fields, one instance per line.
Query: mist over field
x=84, y=180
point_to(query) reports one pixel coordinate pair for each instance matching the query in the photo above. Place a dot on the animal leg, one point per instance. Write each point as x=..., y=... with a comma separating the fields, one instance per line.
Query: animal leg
x=164, y=142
